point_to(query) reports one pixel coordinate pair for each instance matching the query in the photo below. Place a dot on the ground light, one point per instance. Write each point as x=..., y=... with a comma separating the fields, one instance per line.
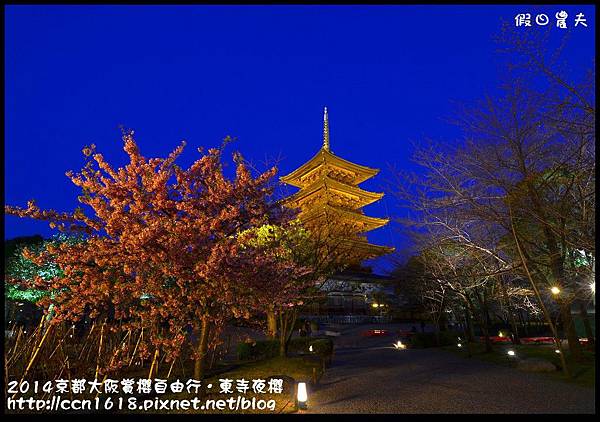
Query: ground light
x=310, y=349
x=302, y=395
x=510, y=353
x=398, y=345
x=557, y=351
x=459, y=345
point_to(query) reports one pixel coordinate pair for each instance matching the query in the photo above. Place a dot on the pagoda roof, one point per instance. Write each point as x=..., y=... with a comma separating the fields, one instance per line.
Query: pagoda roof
x=364, y=197
x=325, y=157
x=367, y=249
x=370, y=223
x=351, y=275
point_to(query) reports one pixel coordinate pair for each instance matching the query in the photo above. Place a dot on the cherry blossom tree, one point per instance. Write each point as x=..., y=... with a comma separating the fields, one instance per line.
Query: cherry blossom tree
x=161, y=249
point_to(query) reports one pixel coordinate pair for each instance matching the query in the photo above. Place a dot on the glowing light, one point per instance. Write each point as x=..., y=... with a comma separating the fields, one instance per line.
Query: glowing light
x=375, y=305
x=557, y=351
x=302, y=395
x=398, y=345
x=459, y=345
x=511, y=353
x=310, y=349
x=555, y=290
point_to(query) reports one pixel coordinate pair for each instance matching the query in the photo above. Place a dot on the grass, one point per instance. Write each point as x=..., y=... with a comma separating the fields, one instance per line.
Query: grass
x=291, y=369
x=582, y=373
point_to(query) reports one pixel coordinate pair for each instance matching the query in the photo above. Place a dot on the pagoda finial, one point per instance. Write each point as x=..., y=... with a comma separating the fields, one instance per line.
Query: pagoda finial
x=325, y=130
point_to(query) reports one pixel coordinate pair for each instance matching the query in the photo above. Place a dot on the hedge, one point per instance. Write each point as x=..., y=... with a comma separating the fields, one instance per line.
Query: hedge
x=264, y=349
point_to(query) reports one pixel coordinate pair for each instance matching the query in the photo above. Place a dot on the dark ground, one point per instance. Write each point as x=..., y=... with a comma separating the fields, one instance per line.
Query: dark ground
x=370, y=376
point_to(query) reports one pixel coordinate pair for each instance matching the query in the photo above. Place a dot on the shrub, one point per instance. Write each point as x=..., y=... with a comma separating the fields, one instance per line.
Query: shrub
x=322, y=346
x=298, y=344
x=424, y=340
x=263, y=349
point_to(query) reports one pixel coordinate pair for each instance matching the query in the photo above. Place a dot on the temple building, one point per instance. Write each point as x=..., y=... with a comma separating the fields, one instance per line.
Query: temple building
x=330, y=203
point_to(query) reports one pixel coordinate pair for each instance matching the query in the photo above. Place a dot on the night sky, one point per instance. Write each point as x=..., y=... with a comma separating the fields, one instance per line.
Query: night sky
x=388, y=74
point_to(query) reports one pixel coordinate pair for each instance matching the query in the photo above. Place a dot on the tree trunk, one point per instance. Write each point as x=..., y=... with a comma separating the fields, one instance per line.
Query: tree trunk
x=589, y=333
x=483, y=321
x=271, y=323
x=509, y=310
x=486, y=334
x=470, y=327
x=200, y=364
x=569, y=328
x=282, y=333
x=287, y=319
x=539, y=297
x=467, y=332
x=437, y=333
x=524, y=324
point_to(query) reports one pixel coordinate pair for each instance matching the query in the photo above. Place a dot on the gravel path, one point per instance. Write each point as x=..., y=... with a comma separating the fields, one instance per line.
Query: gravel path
x=376, y=378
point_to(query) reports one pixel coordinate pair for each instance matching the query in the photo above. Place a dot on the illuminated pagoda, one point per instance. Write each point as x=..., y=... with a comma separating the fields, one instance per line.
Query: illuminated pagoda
x=330, y=204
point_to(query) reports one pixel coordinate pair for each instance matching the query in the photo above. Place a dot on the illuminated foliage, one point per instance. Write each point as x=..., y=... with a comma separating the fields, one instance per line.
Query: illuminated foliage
x=161, y=250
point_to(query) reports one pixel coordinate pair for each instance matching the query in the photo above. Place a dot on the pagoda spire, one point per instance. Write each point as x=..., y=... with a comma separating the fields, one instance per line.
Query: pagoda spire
x=330, y=203
x=325, y=130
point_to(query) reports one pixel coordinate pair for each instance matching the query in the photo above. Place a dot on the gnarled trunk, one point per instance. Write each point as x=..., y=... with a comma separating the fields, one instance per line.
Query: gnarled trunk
x=569, y=327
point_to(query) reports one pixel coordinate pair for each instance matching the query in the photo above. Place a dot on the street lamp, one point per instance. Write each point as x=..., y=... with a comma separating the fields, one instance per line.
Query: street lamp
x=555, y=290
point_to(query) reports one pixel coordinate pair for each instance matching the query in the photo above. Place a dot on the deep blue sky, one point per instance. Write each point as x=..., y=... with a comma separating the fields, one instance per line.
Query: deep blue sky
x=388, y=74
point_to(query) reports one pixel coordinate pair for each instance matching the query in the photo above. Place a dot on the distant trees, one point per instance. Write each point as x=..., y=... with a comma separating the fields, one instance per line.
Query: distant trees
x=162, y=251
x=514, y=200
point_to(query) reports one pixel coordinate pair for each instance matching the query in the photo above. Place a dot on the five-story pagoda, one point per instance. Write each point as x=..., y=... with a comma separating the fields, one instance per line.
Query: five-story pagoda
x=331, y=203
